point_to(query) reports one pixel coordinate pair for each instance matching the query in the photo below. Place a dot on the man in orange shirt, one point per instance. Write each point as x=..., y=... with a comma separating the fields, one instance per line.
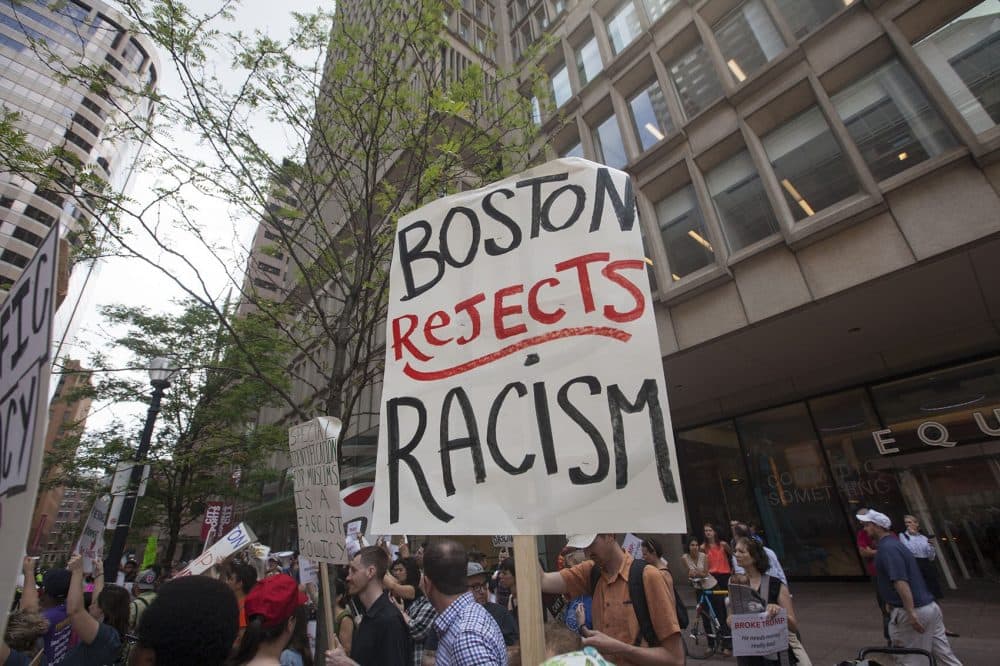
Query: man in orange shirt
x=617, y=634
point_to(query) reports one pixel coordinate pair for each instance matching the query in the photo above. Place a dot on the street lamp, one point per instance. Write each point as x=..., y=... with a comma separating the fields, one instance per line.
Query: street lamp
x=159, y=377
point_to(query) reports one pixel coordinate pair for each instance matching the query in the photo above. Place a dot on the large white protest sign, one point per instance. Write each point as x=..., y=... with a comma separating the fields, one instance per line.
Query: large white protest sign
x=236, y=540
x=91, y=541
x=315, y=472
x=757, y=635
x=25, y=338
x=523, y=389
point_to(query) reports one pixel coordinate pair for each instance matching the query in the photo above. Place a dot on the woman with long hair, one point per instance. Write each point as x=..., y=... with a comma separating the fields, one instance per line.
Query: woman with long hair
x=652, y=552
x=773, y=593
x=103, y=628
x=718, y=554
x=297, y=652
x=271, y=620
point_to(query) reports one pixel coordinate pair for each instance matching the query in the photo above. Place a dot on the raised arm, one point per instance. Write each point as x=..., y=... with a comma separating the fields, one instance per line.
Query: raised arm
x=83, y=623
x=29, y=596
x=552, y=582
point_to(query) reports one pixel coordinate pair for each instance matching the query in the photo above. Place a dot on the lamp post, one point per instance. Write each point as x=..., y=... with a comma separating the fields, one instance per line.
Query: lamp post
x=159, y=377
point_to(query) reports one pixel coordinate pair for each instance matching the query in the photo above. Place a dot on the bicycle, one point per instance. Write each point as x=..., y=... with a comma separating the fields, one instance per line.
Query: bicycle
x=704, y=635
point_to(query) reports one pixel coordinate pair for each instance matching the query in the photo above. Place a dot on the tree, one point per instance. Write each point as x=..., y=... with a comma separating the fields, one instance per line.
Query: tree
x=205, y=428
x=381, y=115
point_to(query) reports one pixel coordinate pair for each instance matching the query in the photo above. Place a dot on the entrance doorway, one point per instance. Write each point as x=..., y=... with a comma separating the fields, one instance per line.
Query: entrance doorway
x=957, y=499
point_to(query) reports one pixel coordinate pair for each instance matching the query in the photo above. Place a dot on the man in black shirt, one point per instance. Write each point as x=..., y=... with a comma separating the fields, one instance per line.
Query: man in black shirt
x=382, y=638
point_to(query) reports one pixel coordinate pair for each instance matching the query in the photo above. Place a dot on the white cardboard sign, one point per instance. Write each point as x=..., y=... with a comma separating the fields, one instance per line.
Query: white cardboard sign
x=236, y=539
x=313, y=448
x=91, y=542
x=25, y=339
x=523, y=389
x=756, y=634
x=632, y=545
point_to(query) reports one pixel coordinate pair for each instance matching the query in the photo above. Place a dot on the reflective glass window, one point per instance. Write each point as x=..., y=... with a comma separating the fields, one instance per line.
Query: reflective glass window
x=576, y=150
x=740, y=202
x=804, y=16
x=716, y=487
x=695, y=80
x=748, y=39
x=608, y=142
x=809, y=164
x=891, y=121
x=623, y=26
x=800, y=511
x=964, y=56
x=658, y=8
x=682, y=229
x=650, y=116
x=561, y=90
x=588, y=61
x=845, y=422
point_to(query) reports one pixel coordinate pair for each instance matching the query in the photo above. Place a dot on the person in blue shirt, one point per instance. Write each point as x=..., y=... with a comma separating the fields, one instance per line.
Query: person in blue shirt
x=915, y=620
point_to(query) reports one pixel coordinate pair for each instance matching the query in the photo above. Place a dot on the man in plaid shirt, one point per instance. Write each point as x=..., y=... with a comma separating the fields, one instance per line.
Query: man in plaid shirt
x=467, y=634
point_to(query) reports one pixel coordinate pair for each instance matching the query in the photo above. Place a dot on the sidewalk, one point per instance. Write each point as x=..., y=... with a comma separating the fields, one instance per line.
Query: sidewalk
x=838, y=619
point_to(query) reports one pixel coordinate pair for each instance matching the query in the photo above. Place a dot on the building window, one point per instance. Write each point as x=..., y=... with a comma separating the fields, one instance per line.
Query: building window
x=809, y=164
x=716, y=487
x=695, y=80
x=588, y=61
x=608, y=143
x=268, y=268
x=541, y=20
x=740, y=201
x=536, y=111
x=576, y=150
x=790, y=474
x=650, y=116
x=561, y=90
x=748, y=39
x=964, y=56
x=682, y=229
x=658, y=8
x=804, y=16
x=271, y=236
x=623, y=26
x=23, y=234
x=891, y=121
x=265, y=284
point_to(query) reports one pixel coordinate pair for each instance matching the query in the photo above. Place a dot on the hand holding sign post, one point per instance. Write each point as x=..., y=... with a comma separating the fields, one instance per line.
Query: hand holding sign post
x=523, y=391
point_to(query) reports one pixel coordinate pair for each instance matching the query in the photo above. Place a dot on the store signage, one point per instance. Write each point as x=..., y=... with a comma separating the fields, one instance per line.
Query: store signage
x=934, y=433
x=524, y=389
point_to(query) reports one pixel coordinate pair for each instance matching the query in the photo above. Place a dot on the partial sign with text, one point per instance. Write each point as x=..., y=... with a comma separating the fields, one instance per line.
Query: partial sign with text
x=313, y=448
x=524, y=389
x=236, y=540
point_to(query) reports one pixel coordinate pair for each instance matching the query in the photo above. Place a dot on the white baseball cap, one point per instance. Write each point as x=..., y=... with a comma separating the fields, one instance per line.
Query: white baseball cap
x=872, y=516
x=580, y=540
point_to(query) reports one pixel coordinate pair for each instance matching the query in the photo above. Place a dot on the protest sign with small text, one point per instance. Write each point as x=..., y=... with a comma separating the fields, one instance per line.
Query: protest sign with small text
x=757, y=635
x=313, y=447
x=237, y=539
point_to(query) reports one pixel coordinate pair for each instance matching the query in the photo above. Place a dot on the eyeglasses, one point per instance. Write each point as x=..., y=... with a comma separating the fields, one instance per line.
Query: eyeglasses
x=478, y=587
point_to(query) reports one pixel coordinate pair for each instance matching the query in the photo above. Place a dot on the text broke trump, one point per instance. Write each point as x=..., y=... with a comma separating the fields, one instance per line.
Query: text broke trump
x=524, y=389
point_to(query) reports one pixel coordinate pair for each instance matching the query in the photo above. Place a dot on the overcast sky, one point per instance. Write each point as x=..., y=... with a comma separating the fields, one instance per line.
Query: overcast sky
x=131, y=282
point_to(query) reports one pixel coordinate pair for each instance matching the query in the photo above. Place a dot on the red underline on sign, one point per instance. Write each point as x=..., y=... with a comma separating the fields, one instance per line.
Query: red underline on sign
x=432, y=375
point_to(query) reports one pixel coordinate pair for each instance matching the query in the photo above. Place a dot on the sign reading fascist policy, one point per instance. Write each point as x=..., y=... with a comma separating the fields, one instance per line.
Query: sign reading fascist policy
x=25, y=339
x=523, y=389
x=313, y=448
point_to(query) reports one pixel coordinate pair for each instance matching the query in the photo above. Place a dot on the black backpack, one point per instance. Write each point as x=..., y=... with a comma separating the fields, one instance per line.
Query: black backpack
x=637, y=595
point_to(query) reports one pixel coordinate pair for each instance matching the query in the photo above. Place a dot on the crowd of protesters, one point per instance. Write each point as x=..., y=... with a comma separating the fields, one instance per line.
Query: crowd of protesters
x=441, y=605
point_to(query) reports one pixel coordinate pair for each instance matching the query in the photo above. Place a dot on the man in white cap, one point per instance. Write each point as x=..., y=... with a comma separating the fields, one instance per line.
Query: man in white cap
x=618, y=634
x=915, y=620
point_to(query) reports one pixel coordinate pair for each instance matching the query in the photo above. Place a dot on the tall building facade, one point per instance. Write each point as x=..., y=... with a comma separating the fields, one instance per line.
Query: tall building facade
x=59, y=510
x=817, y=183
x=42, y=44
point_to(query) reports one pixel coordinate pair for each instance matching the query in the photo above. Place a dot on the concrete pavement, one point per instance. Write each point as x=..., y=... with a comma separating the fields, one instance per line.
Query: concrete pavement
x=838, y=619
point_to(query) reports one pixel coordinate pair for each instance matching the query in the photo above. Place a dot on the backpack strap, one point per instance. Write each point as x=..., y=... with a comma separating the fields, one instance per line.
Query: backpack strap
x=637, y=593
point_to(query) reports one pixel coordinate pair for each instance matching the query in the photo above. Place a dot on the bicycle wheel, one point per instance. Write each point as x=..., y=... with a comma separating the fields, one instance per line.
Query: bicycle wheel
x=700, y=636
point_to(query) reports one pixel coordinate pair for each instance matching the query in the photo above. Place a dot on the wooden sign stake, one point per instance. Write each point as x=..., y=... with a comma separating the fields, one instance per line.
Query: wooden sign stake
x=327, y=595
x=529, y=600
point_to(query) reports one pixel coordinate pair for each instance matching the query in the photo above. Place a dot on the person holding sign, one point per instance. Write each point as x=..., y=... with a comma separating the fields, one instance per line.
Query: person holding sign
x=101, y=640
x=751, y=557
x=631, y=629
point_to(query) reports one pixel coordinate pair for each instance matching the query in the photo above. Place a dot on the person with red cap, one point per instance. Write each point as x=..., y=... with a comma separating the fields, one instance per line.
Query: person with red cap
x=270, y=609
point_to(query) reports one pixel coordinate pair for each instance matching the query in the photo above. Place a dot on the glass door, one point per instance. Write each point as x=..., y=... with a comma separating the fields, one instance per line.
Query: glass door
x=964, y=499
